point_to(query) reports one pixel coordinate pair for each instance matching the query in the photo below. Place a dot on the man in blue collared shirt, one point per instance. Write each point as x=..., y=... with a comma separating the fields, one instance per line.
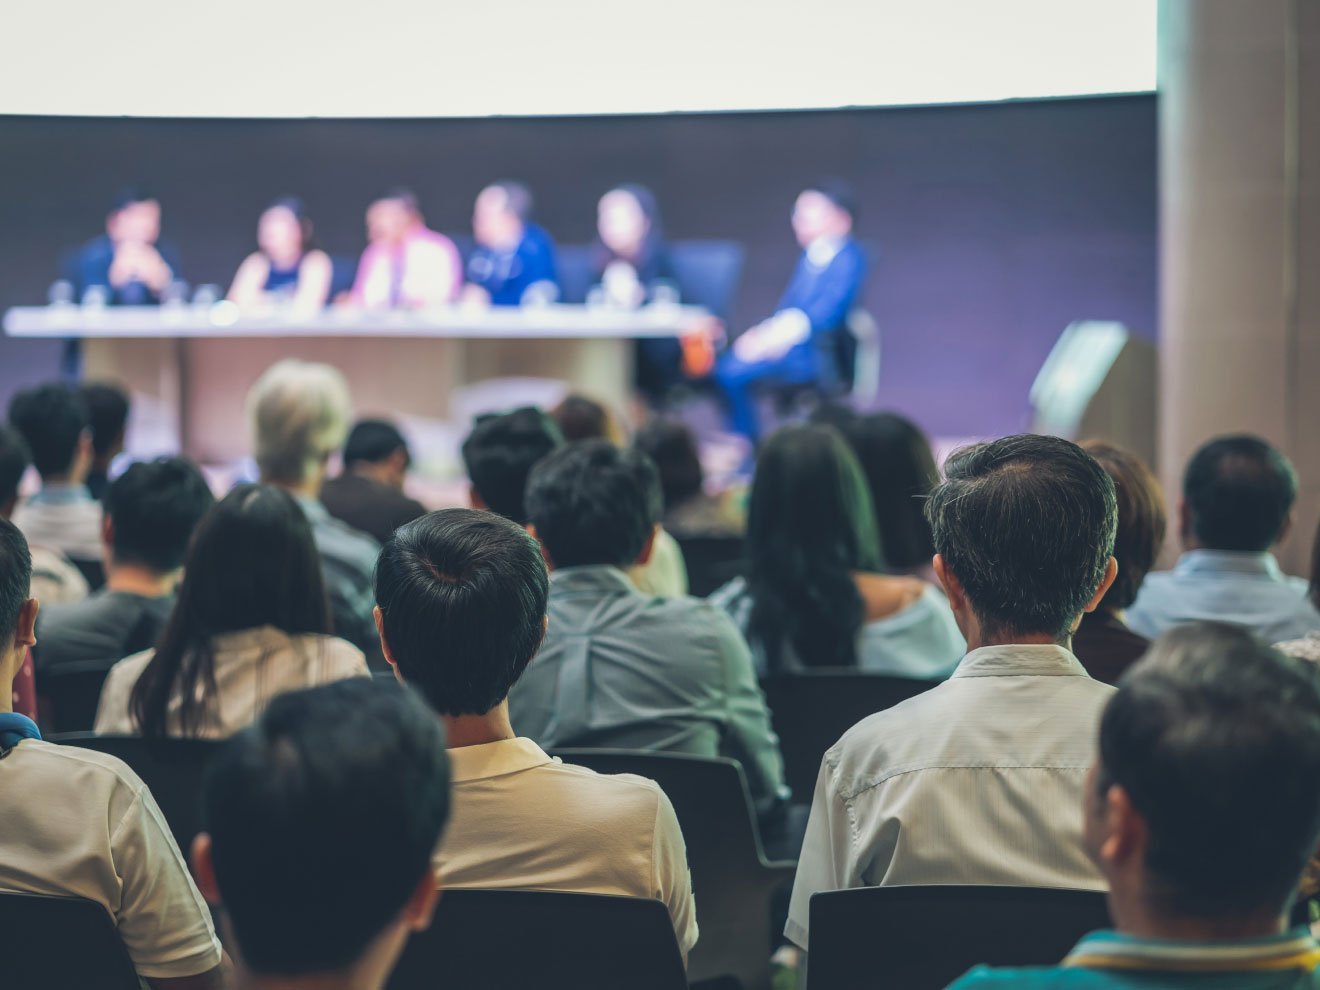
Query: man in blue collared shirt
x=1201, y=811
x=1238, y=495
x=513, y=254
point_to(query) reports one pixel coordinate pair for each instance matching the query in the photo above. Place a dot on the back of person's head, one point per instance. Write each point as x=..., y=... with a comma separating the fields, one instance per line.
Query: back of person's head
x=107, y=415
x=593, y=503
x=15, y=581
x=252, y=562
x=462, y=598
x=321, y=820
x=372, y=441
x=499, y=455
x=810, y=527
x=1214, y=738
x=1026, y=525
x=1142, y=520
x=670, y=444
x=14, y=461
x=299, y=413
x=153, y=508
x=1238, y=494
x=53, y=422
x=581, y=418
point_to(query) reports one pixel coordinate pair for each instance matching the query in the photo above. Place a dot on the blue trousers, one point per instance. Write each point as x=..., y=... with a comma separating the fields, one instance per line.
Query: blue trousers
x=740, y=379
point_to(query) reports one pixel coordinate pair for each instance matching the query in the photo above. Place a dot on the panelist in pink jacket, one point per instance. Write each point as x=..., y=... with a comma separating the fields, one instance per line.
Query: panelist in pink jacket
x=405, y=264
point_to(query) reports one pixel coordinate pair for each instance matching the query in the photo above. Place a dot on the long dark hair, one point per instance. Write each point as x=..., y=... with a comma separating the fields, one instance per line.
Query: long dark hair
x=810, y=526
x=252, y=562
x=653, y=243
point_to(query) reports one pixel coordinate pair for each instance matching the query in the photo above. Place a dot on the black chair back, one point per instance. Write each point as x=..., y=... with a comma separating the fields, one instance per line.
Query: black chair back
x=62, y=943
x=731, y=878
x=712, y=561
x=708, y=273
x=924, y=938
x=521, y=939
x=93, y=572
x=574, y=271
x=70, y=693
x=811, y=710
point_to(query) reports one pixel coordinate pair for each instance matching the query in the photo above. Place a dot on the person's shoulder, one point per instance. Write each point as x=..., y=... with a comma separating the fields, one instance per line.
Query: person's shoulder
x=1042, y=978
x=343, y=655
x=74, y=770
x=621, y=794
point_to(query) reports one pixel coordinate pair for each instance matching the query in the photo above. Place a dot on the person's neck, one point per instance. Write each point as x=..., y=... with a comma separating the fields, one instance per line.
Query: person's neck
x=477, y=730
x=976, y=640
x=135, y=579
x=1133, y=915
x=309, y=487
x=64, y=479
x=379, y=473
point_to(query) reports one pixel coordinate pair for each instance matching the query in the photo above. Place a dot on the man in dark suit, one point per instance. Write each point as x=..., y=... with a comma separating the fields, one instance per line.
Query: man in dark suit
x=128, y=263
x=368, y=494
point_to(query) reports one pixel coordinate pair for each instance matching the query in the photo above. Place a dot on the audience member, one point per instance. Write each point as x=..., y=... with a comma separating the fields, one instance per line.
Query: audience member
x=78, y=823
x=1238, y=495
x=1103, y=642
x=1201, y=811
x=462, y=612
x=801, y=343
x=689, y=511
x=513, y=254
x=500, y=453
x=619, y=668
x=1308, y=647
x=405, y=264
x=54, y=579
x=581, y=418
x=979, y=780
x=325, y=900
x=107, y=416
x=814, y=592
x=151, y=511
x=53, y=422
x=287, y=267
x=299, y=413
x=368, y=494
x=251, y=622
x=128, y=264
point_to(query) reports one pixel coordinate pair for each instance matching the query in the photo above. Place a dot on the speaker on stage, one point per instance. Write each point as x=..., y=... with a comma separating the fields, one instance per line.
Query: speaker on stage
x=1099, y=382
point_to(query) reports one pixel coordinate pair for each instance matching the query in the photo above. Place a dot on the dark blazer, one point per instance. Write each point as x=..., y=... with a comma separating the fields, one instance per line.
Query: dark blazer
x=369, y=506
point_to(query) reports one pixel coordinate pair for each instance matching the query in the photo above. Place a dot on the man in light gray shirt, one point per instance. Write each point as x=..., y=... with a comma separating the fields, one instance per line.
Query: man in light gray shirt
x=1238, y=496
x=619, y=668
x=980, y=780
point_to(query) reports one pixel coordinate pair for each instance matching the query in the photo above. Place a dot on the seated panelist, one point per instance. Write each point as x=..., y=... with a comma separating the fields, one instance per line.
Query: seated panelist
x=405, y=265
x=285, y=268
x=129, y=263
x=513, y=254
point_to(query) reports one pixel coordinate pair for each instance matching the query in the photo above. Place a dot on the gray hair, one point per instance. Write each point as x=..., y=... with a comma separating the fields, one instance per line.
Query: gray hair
x=299, y=411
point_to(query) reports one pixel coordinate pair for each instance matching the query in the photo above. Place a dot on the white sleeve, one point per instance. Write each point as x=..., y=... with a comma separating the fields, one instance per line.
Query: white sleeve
x=673, y=879
x=827, y=862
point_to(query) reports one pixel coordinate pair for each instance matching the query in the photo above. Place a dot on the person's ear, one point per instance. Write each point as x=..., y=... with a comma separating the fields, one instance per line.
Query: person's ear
x=420, y=909
x=648, y=548
x=204, y=868
x=25, y=635
x=1184, y=522
x=953, y=589
x=1286, y=528
x=474, y=498
x=107, y=531
x=1125, y=834
x=1111, y=572
x=545, y=554
x=379, y=618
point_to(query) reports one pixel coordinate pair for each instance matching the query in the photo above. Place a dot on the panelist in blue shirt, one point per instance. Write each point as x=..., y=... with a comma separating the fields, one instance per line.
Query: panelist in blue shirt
x=128, y=263
x=513, y=254
x=798, y=344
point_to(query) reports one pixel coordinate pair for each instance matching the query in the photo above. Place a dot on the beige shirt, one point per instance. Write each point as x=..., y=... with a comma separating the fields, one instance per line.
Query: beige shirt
x=524, y=820
x=251, y=668
x=665, y=574
x=55, y=581
x=75, y=823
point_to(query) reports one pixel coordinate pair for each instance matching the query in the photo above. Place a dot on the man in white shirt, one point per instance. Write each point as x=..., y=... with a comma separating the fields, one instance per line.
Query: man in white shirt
x=81, y=824
x=980, y=780
x=461, y=610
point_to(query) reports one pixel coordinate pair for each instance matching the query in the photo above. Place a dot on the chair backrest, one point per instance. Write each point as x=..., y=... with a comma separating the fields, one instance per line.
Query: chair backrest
x=172, y=769
x=708, y=273
x=573, y=267
x=93, y=571
x=811, y=710
x=924, y=938
x=520, y=939
x=70, y=693
x=711, y=561
x=62, y=943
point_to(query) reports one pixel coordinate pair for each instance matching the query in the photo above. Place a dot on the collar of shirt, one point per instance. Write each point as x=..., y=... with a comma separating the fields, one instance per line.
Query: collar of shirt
x=1021, y=659
x=1114, y=950
x=496, y=759
x=14, y=728
x=590, y=579
x=823, y=250
x=313, y=509
x=1262, y=564
x=61, y=493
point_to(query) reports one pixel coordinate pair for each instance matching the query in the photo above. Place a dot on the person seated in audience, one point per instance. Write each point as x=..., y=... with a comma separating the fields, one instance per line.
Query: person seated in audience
x=78, y=823
x=500, y=453
x=1201, y=812
x=251, y=622
x=107, y=417
x=462, y=611
x=799, y=344
x=1238, y=496
x=55, y=579
x=690, y=512
x=619, y=668
x=287, y=267
x=1308, y=646
x=1103, y=642
x=979, y=780
x=317, y=900
x=406, y=264
x=583, y=418
x=814, y=592
x=151, y=511
x=129, y=264
x=368, y=493
x=299, y=412
x=514, y=261
x=63, y=515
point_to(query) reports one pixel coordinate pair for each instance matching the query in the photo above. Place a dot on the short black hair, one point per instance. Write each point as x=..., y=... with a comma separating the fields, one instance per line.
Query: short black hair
x=519, y=198
x=1142, y=521
x=128, y=196
x=372, y=441
x=838, y=192
x=405, y=196
x=1215, y=737
x=1239, y=491
x=324, y=816
x=1027, y=525
x=583, y=418
x=462, y=596
x=15, y=577
x=672, y=447
x=107, y=414
x=51, y=419
x=500, y=453
x=154, y=507
x=14, y=461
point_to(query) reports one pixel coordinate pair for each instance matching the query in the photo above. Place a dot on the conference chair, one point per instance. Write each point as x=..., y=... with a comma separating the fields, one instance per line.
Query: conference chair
x=732, y=880
x=711, y=561
x=812, y=709
x=69, y=693
x=521, y=939
x=924, y=938
x=708, y=273
x=61, y=943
